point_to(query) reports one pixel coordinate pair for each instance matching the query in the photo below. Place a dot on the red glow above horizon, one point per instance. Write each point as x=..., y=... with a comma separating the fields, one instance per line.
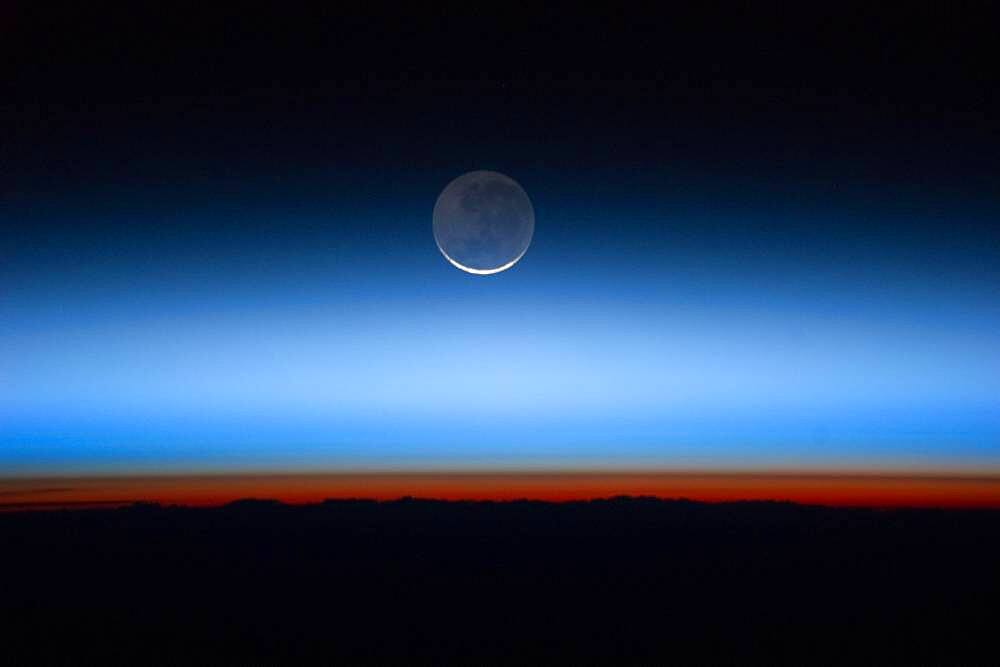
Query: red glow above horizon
x=899, y=490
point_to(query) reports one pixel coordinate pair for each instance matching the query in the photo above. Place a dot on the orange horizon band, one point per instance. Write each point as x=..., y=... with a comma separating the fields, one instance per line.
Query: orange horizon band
x=882, y=490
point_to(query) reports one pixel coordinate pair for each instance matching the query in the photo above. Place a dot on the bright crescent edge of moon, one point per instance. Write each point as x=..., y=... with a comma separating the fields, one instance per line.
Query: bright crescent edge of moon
x=480, y=272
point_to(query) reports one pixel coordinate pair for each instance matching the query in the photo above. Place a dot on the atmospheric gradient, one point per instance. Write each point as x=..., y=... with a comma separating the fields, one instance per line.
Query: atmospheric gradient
x=189, y=289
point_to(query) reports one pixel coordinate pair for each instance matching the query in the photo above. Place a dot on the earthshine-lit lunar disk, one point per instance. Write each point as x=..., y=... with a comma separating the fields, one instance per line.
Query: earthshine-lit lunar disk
x=483, y=222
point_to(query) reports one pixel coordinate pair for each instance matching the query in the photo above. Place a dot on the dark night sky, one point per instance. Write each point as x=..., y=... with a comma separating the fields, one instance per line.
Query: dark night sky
x=761, y=238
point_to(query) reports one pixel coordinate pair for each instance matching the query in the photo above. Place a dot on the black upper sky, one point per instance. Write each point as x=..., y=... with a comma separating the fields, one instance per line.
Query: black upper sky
x=185, y=100
x=98, y=94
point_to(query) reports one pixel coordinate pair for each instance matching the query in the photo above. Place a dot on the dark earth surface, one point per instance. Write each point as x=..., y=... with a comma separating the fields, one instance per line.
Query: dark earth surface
x=628, y=580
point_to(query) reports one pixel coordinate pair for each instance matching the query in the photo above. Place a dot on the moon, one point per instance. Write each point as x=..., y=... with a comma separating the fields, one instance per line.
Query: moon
x=483, y=222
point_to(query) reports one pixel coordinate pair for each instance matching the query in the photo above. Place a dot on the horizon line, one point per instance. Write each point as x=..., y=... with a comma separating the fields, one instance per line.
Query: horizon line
x=835, y=488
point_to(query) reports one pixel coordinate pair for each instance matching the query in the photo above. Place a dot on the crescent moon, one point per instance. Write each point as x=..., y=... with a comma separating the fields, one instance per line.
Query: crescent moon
x=483, y=222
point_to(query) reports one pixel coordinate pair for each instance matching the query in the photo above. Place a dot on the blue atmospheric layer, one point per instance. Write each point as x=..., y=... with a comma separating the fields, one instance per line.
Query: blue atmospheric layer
x=150, y=336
